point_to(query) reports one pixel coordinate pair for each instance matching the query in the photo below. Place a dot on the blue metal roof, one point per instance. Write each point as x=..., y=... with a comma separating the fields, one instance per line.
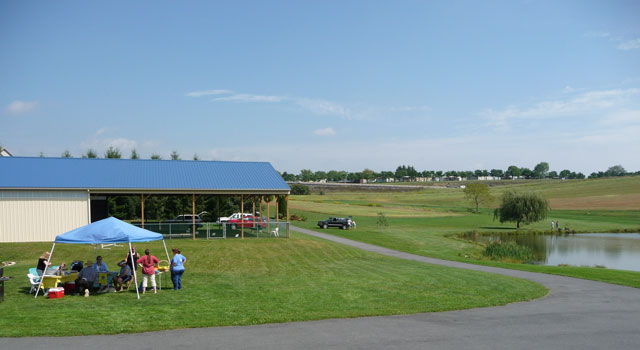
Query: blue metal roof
x=138, y=174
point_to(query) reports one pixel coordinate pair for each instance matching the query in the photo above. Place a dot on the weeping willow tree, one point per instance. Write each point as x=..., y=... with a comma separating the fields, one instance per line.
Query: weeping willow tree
x=521, y=208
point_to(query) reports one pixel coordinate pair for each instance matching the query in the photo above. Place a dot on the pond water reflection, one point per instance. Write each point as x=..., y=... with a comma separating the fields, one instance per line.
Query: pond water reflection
x=612, y=250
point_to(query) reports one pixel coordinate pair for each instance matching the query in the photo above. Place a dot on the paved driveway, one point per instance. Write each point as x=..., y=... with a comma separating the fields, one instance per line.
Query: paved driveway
x=577, y=314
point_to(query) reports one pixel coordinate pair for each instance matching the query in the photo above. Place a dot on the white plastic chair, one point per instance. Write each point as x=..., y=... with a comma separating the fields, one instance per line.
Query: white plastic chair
x=275, y=232
x=35, y=281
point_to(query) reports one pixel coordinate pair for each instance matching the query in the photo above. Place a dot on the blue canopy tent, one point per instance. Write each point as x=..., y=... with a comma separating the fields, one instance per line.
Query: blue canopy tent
x=109, y=230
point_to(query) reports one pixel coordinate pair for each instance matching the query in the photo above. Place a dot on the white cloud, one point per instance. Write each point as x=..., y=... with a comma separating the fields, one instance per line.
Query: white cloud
x=325, y=132
x=623, y=117
x=573, y=107
x=323, y=107
x=629, y=45
x=18, y=107
x=251, y=98
x=208, y=93
x=585, y=152
x=410, y=109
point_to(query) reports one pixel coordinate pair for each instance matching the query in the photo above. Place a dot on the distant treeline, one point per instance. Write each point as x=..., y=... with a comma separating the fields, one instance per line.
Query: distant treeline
x=161, y=207
x=407, y=172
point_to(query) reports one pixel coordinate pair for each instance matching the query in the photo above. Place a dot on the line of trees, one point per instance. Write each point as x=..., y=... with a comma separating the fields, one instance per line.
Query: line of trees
x=540, y=171
x=114, y=152
x=161, y=207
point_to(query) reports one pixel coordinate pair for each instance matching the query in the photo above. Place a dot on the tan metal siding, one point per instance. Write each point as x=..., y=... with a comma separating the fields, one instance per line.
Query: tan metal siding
x=36, y=216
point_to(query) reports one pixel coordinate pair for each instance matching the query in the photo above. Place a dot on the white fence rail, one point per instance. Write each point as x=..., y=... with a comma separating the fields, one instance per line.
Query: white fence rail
x=212, y=230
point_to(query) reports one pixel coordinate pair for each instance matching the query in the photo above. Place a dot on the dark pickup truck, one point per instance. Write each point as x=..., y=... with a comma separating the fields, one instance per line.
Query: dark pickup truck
x=186, y=222
x=343, y=223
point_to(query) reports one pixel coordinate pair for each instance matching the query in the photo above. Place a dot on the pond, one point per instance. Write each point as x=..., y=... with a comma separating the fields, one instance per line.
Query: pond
x=619, y=251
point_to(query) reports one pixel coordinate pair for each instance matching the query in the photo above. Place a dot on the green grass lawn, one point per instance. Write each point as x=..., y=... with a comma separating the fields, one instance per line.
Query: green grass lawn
x=440, y=214
x=252, y=281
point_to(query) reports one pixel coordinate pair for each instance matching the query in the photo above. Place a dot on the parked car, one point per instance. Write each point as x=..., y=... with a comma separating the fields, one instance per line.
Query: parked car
x=343, y=223
x=248, y=222
x=234, y=216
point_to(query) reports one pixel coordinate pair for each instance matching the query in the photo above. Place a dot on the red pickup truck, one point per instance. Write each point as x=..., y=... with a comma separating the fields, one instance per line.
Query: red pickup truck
x=249, y=222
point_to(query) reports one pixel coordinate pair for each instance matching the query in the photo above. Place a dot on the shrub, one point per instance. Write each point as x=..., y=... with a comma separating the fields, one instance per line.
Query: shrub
x=508, y=250
x=300, y=189
x=296, y=217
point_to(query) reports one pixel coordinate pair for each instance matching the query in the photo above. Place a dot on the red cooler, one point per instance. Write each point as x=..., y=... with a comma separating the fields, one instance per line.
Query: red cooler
x=56, y=293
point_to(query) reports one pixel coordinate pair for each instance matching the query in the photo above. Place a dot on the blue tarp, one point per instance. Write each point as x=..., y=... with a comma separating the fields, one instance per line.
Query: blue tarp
x=109, y=230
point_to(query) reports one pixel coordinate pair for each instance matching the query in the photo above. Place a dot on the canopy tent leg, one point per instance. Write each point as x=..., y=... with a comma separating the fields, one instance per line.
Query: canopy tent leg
x=45, y=269
x=135, y=275
x=166, y=252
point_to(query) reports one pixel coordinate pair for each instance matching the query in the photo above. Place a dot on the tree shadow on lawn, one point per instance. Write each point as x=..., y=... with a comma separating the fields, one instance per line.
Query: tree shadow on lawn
x=497, y=228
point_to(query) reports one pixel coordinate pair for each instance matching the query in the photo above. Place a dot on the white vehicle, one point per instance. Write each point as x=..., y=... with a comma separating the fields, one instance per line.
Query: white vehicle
x=234, y=216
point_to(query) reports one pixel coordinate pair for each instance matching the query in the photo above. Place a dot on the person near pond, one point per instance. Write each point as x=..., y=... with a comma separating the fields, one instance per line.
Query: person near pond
x=148, y=263
x=177, y=268
x=557, y=224
x=553, y=225
x=124, y=277
x=133, y=262
x=43, y=263
x=100, y=266
x=86, y=278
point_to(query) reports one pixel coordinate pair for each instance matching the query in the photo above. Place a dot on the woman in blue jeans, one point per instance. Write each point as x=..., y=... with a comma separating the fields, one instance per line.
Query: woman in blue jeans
x=177, y=268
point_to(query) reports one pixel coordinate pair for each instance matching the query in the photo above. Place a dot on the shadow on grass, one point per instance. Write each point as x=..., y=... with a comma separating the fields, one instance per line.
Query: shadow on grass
x=497, y=228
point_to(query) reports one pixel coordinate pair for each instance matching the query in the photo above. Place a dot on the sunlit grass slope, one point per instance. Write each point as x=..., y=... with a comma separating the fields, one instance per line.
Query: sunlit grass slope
x=244, y=282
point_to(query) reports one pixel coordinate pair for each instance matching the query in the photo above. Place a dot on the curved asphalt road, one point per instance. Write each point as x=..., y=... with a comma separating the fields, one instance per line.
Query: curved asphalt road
x=576, y=314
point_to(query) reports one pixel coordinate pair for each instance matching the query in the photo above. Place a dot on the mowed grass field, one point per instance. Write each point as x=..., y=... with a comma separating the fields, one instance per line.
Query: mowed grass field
x=245, y=282
x=427, y=222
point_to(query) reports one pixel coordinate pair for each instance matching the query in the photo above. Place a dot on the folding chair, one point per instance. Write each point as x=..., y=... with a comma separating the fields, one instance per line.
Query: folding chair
x=275, y=232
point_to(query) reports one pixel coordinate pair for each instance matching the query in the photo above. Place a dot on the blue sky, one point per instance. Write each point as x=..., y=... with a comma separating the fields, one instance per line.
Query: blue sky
x=447, y=85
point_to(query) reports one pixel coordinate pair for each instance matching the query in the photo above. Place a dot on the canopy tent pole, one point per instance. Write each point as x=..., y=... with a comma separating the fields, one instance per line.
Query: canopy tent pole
x=135, y=275
x=166, y=252
x=45, y=269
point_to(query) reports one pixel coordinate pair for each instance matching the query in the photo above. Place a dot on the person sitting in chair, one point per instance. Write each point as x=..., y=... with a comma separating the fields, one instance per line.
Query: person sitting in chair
x=124, y=277
x=86, y=278
x=100, y=266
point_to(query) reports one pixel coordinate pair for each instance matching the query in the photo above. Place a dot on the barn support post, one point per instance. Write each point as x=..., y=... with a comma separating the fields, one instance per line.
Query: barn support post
x=288, y=216
x=193, y=214
x=242, y=216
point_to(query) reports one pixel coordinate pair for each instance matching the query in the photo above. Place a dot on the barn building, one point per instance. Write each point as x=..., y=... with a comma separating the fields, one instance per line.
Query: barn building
x=41, y=198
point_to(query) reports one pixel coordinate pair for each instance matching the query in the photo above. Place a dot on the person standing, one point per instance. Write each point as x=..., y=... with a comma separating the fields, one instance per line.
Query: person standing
x=133, y=262
x=553, y=225
x=148, y=263
x=177, y=268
